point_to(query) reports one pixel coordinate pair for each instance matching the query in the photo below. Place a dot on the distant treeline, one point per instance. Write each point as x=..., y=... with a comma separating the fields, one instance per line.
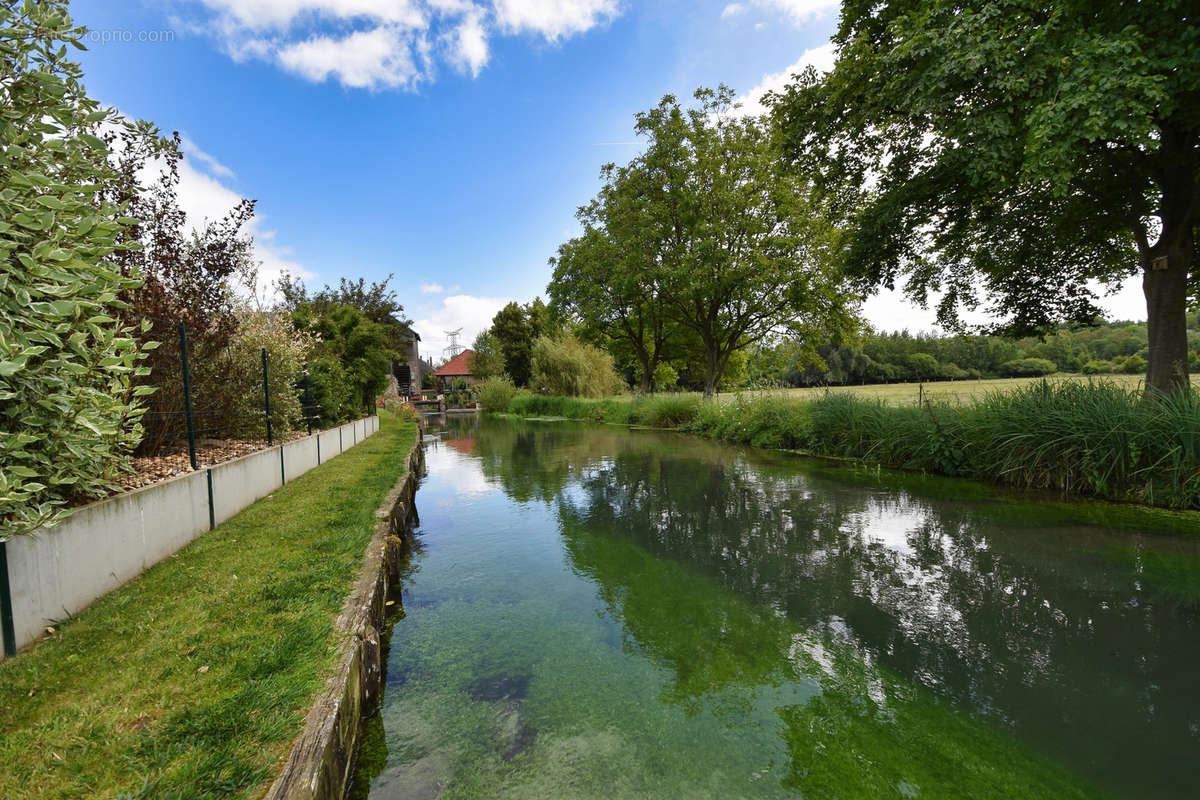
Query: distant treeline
x=1118, y=347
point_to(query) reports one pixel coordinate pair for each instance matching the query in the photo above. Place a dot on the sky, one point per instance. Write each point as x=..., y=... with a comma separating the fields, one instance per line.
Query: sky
x=447, y=142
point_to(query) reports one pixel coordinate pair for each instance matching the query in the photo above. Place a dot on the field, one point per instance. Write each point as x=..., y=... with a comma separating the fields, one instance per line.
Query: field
x=947, y=391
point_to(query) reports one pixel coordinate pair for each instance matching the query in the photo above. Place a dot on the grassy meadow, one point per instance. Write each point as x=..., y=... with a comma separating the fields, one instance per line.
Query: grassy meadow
x=950, y=391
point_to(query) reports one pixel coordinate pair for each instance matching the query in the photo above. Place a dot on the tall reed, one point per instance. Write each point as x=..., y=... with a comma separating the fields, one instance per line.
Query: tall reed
x=1094, y=439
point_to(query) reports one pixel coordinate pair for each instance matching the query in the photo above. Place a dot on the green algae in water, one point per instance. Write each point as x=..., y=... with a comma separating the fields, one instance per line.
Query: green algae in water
x=598, y=613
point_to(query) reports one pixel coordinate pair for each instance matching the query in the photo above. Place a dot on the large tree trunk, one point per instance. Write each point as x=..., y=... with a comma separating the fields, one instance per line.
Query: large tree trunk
x=1167, y=264
x=712, y=372
x=1166, y=316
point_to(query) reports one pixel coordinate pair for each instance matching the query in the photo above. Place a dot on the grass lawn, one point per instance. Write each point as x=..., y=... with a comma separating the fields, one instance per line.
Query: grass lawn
x=952, y=391
x=193, y=680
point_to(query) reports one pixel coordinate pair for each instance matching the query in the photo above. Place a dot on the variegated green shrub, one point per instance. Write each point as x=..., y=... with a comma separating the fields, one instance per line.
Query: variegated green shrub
x=68, y=416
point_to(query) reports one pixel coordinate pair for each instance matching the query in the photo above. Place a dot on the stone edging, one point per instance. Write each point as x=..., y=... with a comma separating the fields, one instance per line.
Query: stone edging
x=319, y=765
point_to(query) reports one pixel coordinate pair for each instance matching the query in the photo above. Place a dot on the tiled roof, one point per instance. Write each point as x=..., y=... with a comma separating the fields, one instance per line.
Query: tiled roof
x=457, y=366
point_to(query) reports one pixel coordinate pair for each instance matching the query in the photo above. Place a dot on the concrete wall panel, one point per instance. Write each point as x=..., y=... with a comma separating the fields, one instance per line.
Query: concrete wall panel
x=62, y=570
x=299, y=457
x=237, y=484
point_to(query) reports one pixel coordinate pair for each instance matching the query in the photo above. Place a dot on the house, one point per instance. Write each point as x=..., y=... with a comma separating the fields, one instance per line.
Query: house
x=457, y=369
x=409, y=370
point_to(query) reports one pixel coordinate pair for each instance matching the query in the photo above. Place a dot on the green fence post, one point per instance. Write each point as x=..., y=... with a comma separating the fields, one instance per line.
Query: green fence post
x=307, y=401
x=187, y=395
x=6, y=611
x=266, y=394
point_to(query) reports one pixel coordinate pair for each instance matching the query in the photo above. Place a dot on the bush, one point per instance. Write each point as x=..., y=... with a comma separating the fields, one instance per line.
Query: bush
x=666, y=377
x=496, y=393
x=565, y=366
x=287, y=350
x=1028, y=368
x=69, y=414
x=666, y=410
x=1097, y=368
x=1133, y=365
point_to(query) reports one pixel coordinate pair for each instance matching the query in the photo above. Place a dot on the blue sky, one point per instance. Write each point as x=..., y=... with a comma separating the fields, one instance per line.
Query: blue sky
x=446, y=141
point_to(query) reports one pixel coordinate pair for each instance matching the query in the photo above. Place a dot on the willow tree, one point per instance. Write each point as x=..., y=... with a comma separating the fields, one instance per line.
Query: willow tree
x=1015, y=155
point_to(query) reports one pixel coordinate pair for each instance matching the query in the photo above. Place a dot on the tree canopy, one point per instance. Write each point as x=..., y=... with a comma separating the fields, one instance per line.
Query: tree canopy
x=1013, y=154
x=705, y=231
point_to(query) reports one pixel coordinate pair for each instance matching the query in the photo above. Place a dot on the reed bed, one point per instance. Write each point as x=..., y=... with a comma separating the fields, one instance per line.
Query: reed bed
x=1098, y=439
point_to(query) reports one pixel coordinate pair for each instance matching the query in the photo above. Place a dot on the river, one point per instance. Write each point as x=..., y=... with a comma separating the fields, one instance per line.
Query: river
x=596, y=612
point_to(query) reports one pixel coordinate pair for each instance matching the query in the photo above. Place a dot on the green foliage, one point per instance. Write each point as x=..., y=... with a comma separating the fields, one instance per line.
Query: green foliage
x=665, y=378
x=1076, y=438
x=287, y=350
x=514, y=329
x=700, y=243
x=495, y=394
x=361, y=350
x=377, y=301
x=1134, y=364
x=68, y=412
x=488, y=361
x=1028, y=368
x=1013, y=154
x=565, y=366
x=329, y=392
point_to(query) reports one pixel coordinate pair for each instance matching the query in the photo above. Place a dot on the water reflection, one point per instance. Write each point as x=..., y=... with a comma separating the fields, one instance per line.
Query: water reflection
x=1059, y=634
x=605, y=613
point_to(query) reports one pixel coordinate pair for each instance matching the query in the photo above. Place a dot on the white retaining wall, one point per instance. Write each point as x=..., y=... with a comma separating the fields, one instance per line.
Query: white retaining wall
x=61, y=570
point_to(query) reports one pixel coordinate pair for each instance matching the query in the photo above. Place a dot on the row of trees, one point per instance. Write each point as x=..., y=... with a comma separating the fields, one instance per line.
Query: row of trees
x=872, y=357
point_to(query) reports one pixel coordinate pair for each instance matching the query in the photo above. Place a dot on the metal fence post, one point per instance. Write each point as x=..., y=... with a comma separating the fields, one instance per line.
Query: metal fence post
x=307, y=401
x=266, y=394
x=6, y=611
x=187, y=395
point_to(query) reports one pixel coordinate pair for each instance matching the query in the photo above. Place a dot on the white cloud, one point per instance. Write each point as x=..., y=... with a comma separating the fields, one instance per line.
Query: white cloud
x=798, y=11
x=432, y=288
x=386, y=44
x=268, y=15
x=472, y=314
x=214, y=166
x=732, y=10
x=553, y=19
x=204, y=197
x=469, y=45
x=821, y=58
x=377, y=58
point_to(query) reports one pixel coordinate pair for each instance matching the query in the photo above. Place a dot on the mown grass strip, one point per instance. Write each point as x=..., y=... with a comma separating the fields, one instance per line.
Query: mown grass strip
x=192, y=680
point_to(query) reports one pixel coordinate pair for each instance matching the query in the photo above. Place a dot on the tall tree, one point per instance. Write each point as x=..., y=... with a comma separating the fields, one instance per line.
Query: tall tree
x=488, y=361
x=510, y=327
x=596, y=287
x=1025, y=148
x=745, y=253
x=606, y=278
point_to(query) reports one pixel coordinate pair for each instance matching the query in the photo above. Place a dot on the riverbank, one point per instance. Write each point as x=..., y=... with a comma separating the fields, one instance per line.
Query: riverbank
x=199, y=673
x=1087, y=440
